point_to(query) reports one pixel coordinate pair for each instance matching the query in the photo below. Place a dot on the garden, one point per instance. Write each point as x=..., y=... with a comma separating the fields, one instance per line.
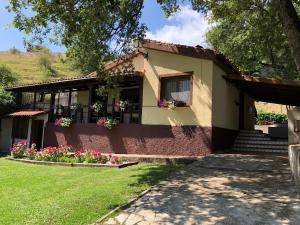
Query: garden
x=38, y=194
x=64, y=154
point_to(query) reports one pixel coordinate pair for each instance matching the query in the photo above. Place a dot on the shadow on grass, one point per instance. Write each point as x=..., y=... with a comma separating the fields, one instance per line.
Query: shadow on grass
x=156, y=174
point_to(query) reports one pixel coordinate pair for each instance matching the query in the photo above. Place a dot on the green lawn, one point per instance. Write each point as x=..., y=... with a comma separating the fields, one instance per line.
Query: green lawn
x=33, y=194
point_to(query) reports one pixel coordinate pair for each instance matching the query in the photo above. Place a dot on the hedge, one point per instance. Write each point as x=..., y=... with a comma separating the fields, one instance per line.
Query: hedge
x=271, y=118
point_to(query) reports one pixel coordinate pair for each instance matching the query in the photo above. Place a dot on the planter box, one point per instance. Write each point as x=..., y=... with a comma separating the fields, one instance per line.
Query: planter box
x=124, y=164
x=294, y=157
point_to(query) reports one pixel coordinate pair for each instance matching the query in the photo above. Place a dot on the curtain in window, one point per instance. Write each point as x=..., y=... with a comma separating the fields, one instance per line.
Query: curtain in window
x=176, y=89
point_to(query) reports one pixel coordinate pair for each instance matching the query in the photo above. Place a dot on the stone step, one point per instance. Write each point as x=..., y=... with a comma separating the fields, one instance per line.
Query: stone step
x=252, y=135
x=253, y=138
x=250, y=131
x=283, y=147
x=261, y=142
x=259, y=150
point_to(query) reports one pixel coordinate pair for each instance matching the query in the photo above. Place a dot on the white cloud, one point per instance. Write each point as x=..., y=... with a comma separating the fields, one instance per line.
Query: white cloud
x=185, y=27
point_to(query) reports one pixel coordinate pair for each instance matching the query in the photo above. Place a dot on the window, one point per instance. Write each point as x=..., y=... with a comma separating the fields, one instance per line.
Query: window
x=176, y=88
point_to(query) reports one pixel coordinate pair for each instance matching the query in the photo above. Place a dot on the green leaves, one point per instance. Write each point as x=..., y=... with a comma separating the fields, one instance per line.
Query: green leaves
x=92, y=30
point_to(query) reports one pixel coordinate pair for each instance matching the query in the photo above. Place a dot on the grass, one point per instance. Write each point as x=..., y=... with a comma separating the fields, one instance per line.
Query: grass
x=33, y=194
x=27, y=67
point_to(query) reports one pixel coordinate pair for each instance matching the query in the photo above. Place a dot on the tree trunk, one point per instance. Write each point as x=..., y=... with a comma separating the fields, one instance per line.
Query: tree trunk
x=291, y=26
x=294, y=157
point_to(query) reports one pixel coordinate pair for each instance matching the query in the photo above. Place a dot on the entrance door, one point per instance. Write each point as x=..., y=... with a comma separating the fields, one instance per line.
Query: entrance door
x=37, y=132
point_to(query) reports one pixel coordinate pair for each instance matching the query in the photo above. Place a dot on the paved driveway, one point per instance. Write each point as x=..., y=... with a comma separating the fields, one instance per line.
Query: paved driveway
x=221, y=189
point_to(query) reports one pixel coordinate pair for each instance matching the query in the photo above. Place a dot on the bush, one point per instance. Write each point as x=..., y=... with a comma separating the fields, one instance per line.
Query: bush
x=18, y=149
x=62, y=154
x=14, y=50
x=30, y=153
x=264, y=118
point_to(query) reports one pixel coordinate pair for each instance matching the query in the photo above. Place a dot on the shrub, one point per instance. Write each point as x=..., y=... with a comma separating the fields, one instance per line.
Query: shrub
x=271, y=118
x=14, y=50
x=79, y=156
x=39, y=156
x=18, y=149
x=67, y=159
x=94, y=156
x=30, y=153
x=50, y=154
x=61, y=154
x=63, y=150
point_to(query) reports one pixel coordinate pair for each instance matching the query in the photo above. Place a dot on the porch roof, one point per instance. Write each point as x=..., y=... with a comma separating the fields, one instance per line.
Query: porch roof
x=26, y=113
x=278, y=91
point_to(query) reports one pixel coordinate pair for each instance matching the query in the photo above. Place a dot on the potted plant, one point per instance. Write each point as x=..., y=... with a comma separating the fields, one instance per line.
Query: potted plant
x=109, y=123
x=97, y=107
x=123, y=105
x=63, y=122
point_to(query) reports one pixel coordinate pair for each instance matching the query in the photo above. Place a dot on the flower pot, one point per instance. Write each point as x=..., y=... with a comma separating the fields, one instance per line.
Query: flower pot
x=294, y=158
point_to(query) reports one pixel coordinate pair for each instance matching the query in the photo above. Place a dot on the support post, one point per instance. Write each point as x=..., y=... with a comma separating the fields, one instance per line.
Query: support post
x=34, y=100
x=242, y=111
x=52, y=106
x=29, y=132
x=90, y=103
x=141, y=85
x=69, y=103
x=18, y=99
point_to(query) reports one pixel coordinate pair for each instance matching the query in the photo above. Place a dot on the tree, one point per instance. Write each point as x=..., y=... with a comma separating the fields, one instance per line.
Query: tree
x=88, y=29
x=257, y=35
x=7, y=77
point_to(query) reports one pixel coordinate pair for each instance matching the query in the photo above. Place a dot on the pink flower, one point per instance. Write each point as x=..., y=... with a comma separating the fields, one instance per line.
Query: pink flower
x=101, y=122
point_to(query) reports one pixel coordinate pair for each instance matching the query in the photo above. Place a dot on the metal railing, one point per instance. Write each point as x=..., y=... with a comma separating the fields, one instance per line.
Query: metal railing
x=86, y=114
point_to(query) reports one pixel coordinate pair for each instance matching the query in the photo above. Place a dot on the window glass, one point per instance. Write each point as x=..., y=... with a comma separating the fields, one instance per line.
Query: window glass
x=176, y=88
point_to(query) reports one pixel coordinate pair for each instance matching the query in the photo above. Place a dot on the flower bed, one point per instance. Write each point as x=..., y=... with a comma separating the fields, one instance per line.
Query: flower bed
x=63, y=155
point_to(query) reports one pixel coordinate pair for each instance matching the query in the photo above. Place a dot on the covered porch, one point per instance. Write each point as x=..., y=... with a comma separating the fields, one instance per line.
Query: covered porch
x=272, y=138
x=77, y=99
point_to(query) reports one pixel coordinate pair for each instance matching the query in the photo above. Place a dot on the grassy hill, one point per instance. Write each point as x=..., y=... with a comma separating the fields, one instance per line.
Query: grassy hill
x=26, y=65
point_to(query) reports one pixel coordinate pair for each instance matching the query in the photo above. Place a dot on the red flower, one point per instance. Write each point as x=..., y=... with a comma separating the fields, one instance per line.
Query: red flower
x=101, y=122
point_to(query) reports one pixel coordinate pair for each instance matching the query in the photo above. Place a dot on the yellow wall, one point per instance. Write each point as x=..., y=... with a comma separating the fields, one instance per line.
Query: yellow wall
x=225, y=113
x=199, y=113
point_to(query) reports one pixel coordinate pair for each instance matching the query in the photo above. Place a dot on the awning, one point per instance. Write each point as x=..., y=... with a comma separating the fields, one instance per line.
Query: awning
x=286, y=92
x=26, y=113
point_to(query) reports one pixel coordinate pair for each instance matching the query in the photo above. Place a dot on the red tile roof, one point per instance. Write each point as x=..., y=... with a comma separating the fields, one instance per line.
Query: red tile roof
x=26, y=113
x=191, y=51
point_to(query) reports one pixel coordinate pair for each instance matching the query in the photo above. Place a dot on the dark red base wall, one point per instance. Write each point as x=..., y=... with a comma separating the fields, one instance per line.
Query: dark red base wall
x=133, y=139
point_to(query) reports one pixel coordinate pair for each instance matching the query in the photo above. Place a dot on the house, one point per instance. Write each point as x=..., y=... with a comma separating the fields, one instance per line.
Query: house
x=211, y=107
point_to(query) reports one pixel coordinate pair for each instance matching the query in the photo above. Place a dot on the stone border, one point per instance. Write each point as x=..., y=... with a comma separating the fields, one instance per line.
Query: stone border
x=125, y=164
x=123, y=206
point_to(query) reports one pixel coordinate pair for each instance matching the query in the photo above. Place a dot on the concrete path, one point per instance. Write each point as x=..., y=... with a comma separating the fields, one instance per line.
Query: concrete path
x=220, y=189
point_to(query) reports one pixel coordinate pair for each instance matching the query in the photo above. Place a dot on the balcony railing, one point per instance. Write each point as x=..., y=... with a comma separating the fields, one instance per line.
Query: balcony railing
x=85, y=114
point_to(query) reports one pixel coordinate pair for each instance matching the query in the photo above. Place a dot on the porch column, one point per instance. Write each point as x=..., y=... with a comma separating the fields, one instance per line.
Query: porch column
x=52, y=105
x=18, y=99
x=90, y=103
x=29, y=132
x=34, y=100
x=69, y=102
x=141, y=85
x=242, y=111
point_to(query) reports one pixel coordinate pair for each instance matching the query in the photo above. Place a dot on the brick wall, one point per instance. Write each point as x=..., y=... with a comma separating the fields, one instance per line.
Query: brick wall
x=133, y=138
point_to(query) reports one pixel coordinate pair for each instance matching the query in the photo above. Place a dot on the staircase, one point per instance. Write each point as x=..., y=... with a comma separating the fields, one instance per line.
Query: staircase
x=257, y=141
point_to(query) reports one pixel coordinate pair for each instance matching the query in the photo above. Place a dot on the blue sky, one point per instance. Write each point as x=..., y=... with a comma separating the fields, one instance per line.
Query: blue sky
x=185, y=27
